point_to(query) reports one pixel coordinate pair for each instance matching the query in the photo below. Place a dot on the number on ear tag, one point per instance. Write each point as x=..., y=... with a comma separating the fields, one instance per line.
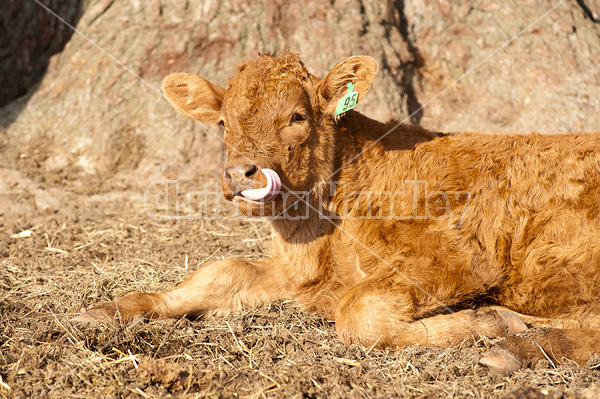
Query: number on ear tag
x=347, y=102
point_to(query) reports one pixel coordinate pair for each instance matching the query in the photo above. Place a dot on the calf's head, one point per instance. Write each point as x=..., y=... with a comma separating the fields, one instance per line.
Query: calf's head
x=280, y=124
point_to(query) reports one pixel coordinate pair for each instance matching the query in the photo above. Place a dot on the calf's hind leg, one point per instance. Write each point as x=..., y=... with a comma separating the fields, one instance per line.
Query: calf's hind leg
x=556, y=345
x=573, y=337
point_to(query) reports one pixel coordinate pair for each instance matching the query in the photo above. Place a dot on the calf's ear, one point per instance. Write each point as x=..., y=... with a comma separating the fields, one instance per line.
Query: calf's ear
x=360, y=69
x=194, y=97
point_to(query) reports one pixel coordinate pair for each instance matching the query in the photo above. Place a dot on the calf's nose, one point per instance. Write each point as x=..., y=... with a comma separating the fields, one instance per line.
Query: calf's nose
x=240, y=176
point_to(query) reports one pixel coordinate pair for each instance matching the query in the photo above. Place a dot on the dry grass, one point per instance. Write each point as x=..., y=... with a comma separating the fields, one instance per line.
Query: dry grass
x=105, y=246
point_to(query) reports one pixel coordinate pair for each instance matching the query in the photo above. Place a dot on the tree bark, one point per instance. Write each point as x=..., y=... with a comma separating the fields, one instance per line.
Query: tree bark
x=99, y=111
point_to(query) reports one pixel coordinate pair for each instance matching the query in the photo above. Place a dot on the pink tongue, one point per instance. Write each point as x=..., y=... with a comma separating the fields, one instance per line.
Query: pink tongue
x=271, y=189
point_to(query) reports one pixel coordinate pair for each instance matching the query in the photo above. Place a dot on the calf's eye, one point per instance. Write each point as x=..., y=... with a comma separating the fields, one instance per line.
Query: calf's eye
x=297, y=117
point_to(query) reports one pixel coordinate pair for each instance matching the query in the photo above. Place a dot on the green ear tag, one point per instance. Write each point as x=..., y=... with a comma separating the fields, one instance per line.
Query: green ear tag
x=347, y=102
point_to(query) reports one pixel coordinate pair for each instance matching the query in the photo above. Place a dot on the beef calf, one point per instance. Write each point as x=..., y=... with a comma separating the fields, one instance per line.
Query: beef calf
x=401, y=235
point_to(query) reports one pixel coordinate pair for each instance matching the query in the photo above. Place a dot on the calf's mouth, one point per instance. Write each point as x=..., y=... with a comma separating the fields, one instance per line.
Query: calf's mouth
x=266, y=185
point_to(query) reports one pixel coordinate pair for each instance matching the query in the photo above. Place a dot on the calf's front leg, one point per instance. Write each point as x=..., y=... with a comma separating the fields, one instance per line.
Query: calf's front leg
x=393, y=313
x=217, y=287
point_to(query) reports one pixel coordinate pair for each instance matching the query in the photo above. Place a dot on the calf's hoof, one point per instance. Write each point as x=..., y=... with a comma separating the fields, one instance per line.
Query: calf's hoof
x=513, y=323
x=131, y=307
x=101, y=314
x=500, y=361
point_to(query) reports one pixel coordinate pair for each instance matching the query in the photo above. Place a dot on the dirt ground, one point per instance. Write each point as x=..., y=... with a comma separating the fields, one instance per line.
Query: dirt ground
x=96, y=246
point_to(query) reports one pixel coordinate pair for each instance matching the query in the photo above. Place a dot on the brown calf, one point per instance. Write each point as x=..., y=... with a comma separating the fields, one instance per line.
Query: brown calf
x=401, y=235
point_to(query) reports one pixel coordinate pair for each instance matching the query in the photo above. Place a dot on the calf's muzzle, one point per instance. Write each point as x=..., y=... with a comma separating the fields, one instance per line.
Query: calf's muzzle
x=239, y=177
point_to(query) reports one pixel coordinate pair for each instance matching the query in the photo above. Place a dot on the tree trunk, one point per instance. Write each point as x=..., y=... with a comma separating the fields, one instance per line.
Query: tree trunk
x=29, y=36
x=99, y=114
